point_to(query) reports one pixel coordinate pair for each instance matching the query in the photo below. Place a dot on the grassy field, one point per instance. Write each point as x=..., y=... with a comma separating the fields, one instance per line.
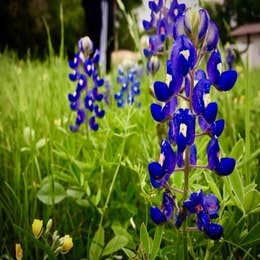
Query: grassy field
x=92, y=183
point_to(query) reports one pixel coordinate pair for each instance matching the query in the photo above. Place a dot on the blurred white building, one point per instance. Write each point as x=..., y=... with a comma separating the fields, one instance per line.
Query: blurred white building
x=248, y=43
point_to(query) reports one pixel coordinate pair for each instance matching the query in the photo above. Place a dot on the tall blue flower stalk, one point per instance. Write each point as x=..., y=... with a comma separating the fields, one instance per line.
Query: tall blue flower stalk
x=129, y=75
x=86, y=100
x=184, y=103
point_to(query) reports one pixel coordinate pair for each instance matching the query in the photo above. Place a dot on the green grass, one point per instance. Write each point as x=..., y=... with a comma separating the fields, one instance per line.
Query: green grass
x=101, y=178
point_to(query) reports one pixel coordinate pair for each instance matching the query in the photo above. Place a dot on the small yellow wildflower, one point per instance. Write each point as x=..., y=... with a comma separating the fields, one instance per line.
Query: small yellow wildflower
x=37, y=228
x=18, y=252
x=67, y=244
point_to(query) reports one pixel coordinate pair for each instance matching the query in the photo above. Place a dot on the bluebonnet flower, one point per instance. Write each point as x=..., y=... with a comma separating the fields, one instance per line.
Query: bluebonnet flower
x=182, y=101
x=206, y=208
x=223, y=81
x=161, y=171
x=165, y=213
x=222, y=166
x=86, y=100
x=230, y=56
x=128, y=77
x=162, y=19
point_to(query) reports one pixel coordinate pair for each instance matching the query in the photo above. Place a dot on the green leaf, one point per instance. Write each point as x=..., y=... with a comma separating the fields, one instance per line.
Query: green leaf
x=51, y=193
x=212, y=184
x=252, y=200
x=75, y=192
x=42, y=142
x=252, y=237
x=157, y=241
x=115, y=244
x=237, y=187
x=97, y=244
x=238, y=149
x=144, y=238
x=129, y=253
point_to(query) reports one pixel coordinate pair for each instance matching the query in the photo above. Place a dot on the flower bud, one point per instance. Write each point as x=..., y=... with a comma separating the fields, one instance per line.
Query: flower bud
x=85, y=45
x=37, y=228
x=48, y=226
x=18, y=252
x=67, y=244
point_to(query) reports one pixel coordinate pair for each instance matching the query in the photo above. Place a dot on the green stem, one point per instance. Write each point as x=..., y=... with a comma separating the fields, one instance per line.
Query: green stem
x=113, y=183
x=247, y=121
x=185, y=195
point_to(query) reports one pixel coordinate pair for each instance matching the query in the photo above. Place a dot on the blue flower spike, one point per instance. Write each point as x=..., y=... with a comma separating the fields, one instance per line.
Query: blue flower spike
x=128, y=77
x=183, y=99
x=86, y=97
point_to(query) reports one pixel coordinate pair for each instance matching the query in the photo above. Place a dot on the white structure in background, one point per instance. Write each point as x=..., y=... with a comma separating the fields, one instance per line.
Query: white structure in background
x=248, y=43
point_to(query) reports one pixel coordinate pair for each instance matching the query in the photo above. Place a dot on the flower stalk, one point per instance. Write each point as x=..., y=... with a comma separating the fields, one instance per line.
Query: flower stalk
x=183, y=101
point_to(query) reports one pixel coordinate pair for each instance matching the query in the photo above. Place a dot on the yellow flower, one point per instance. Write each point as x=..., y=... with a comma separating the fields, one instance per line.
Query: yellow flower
x=18, y=252
x=67, y=244
x=37, y=228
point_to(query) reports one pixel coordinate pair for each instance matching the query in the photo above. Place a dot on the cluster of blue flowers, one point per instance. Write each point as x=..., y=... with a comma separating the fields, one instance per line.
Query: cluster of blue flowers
x=160, y=26
x=195, y=38
x=129, y=78
x=86, y=100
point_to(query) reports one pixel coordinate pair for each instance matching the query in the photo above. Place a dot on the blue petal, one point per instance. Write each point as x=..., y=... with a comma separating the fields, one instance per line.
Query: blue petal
x=161, y=91
x=96, y=56
x=81, y=117
x=168, y=205
x=213, y=153
x=226, y=166
x=178, y=27
x=200, y=74
x=201, y=88
x=211, y=203
x=211, y=111
x=157, y=216
x=175, y=83
x=170, y=159
x=156, y=174
x=204, y=126
x=92, y=123
x=99, y=113
x=193, y=154
x=212, y=68
x=181, y=142
x=147, y=25
x=202, y=221
x=212, y=36
x=156, y=111
x=214, y=231
x=74, y=128
x=218, y=127
x=203, y=26
x=227, y=80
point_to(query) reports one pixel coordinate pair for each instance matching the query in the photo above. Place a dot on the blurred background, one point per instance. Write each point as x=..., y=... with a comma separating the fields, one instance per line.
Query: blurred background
x=23, y=30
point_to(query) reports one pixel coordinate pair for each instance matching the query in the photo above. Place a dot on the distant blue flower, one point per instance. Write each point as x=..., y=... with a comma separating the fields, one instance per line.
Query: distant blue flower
x=128, y=77
x=164, y=214
x=86, y=99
